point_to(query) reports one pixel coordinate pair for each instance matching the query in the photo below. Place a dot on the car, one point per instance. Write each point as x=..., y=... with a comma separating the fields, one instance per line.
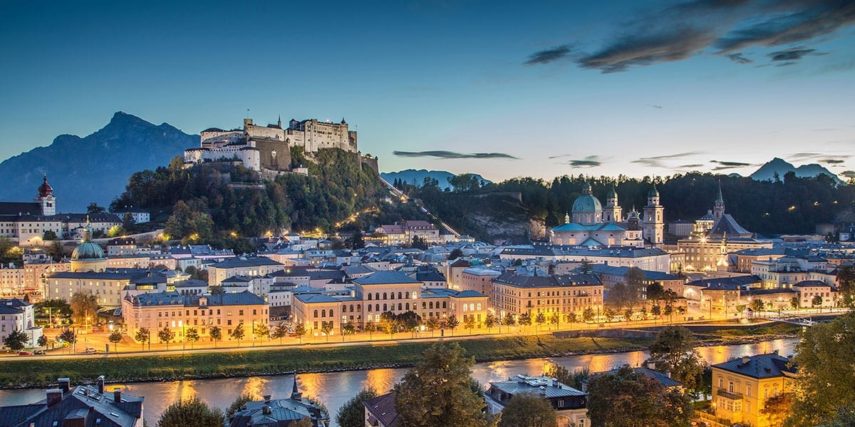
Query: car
x=25, y=353
x=39, y=352
x=90, y=350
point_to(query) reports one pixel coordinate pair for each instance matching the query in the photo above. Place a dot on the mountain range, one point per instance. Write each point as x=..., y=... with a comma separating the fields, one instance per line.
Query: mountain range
x=417, y=177
x=780, y=167
x=94, y=168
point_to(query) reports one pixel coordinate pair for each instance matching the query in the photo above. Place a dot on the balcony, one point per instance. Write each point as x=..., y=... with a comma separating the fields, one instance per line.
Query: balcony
x=728, y=395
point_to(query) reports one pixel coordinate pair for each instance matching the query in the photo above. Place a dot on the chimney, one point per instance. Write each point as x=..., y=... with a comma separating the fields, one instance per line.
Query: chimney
x=266, y=410
x=775, y=352
x=117, y=395
x=64, y=384
x=100, y=383
x=266, y=398
x=54, y=396
x=745, y=360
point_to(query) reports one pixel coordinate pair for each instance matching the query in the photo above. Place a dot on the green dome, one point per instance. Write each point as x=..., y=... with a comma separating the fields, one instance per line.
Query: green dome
x=87, y=250
x=586, y=203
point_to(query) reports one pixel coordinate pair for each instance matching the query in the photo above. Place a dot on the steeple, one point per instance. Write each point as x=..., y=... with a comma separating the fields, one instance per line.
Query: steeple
x=566, y=217
x=718, y=205
x=295, y=391
x=279, y=121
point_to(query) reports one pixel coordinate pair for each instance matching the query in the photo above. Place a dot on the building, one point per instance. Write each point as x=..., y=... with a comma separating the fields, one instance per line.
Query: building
x=403, y=234
x=242, y=266
x=566, y=294
x=569, y=404
x=82, y=406
x=280, y=412
x=178, y=312
x=808, y=290
x=478, y=279
x=594, y=227
x=653, y=259
x=18, y=315
x=106, y=286
x=611, y=275
x=381, y=412
x=30, y=223
x=741, y=387
x=137, y=216
x=268, y=147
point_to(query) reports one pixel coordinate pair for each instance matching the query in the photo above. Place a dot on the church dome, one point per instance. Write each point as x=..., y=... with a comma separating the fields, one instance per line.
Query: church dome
x=45, y=189
x=87, y=251
x=586, y=203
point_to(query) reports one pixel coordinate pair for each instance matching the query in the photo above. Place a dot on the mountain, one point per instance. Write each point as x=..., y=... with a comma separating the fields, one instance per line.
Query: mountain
x=94, y=168
x=781, y=167
x=417, y=177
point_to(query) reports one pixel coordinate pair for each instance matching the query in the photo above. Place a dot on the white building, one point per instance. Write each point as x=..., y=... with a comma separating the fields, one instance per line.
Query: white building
x=18, y=315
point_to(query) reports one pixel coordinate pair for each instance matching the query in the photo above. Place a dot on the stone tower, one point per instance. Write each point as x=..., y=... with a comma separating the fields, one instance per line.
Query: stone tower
x=654, y=218
x=718, y=205
x=46, y=198
x=612, y=211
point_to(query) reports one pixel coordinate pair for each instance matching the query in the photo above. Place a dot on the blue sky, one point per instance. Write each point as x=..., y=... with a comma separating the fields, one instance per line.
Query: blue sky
x=613, y=87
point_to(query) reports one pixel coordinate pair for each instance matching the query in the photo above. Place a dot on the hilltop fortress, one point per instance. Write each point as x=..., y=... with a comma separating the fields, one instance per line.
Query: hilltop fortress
x=269, y=147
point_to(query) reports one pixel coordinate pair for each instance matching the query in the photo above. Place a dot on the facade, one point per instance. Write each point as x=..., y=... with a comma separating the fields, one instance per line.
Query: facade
x=569, y=404
x=403, y=234
x=178, y=312
x=741, y=387
x=478, y=279
x=653, y=259
x=593, y=226
x=808, y=290
x=518, y=294
x=243, y=266
x=18, y=315
x=81, y=406
x=27, y=222
x=106, y=286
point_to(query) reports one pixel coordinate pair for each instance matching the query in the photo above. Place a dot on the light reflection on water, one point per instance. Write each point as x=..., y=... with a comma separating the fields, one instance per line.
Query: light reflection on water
x=336, y=388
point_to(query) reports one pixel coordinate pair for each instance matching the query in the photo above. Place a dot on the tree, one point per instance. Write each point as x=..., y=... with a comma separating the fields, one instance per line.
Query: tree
x=469, y=323
x=49, y=235
x=238, y=333
x=757, y=305
x=371, y=328
x=655, y=291
x=93, y=209
x=673, y=352
x=826, y=385
x=300, y=331
x=358, y=240
x=656, y=310
x=624, y=398
x=190, y=413
x=68, y=336
x=115, y=338
x=540, y=319
x=794, y=303
x=588, y=314
x=143, y=335
x=84, y=307
x=528, y=410
x=846, y=285
x=15, y=341
x=166, y=335
x=555, y=319
x=237, y=404
x=279, y=331
x=352, y=413
x=454, y=254
x=777, y=408
x=575, y=379
x=192, y=336
x=347, y=329
x=432, y=324
x=816, y=301
x=43, y=341
x=525, y=319
x=438, y=391
x=216, y=334
x=261, y=331
x=451, y=322
x=509, y=320
x=326, y=329
x=128, y=220
x=490, y=320
x=419, y=243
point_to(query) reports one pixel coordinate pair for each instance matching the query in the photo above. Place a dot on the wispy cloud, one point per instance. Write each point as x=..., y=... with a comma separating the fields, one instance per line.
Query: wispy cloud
x=848, y=174
x=832, y=161
x=691, y=165
x=659, y=161
x=587, y=162
x=548, y=55
x=725, y=165
x=442, y=154
x=725, y=27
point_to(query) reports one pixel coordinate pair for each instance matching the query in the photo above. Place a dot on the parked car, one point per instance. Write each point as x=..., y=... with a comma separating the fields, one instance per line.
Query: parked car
x=25, y=353
x=39, y=352
x=90, y=350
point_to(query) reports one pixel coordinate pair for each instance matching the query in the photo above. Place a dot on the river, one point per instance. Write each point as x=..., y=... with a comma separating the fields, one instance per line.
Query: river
x=336, y=388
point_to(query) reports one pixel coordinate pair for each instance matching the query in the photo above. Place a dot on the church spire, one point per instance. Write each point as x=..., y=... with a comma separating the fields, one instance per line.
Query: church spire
x=720, y=197
x=718, y=206
x=295, y=391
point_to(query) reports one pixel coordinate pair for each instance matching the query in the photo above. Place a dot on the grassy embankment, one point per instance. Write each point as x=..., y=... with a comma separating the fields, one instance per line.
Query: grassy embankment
x=38, y=373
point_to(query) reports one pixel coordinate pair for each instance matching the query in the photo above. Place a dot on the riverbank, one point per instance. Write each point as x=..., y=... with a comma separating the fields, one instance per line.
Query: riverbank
x=311, y=358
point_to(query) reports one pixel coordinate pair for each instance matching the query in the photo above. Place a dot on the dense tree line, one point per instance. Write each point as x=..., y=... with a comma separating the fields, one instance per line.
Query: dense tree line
x=787, y=205
x=215, y=201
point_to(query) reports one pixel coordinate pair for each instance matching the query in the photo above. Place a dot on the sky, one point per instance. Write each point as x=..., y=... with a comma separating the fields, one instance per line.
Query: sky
x=504, y=89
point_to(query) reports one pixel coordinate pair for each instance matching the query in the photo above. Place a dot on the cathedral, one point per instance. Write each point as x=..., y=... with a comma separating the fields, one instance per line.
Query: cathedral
x=594, y=226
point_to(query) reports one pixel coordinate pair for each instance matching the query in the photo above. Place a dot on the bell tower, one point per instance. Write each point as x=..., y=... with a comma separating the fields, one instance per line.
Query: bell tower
x=46, y=198
x=654, y=218
x=718, y=205
x=613, y=211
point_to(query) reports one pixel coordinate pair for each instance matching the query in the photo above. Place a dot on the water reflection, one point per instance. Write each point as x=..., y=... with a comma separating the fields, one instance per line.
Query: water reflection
x=336, y=388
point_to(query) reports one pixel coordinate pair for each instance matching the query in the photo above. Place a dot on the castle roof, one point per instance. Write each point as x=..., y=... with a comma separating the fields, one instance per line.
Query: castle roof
x=727, y=225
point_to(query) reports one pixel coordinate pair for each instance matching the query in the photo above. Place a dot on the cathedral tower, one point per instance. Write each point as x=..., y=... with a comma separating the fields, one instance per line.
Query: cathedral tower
x=46, y=198
x=654, y=218
x=612, y=211
x=718, y=205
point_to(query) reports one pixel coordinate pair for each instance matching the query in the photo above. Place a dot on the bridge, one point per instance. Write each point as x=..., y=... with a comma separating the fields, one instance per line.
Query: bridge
x=800, y=321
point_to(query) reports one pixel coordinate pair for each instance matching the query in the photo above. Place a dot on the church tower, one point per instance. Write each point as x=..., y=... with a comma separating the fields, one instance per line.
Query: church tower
x=718, y=206
x=612, y=211
x=654, y=218
x=46, y=199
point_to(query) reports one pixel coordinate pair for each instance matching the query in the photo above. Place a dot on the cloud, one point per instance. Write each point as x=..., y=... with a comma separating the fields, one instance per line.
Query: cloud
x=587, y=162
x=657, y=161
x=548, y=55
x=690, y=166
x=441, y=154
x=848, y=174
x=822, y=157
x=739, y=58
x=724, y=27
x=656, y=106
x=790, y=22
x=832, y=161
x=725, y=165
x=558, y=156
x=792, y=54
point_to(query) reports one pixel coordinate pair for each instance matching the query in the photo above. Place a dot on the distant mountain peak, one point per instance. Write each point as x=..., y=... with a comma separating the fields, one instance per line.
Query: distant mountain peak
x=778, y=167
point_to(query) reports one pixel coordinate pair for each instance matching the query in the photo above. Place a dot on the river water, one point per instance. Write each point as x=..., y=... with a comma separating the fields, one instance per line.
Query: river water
x=336, y=388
